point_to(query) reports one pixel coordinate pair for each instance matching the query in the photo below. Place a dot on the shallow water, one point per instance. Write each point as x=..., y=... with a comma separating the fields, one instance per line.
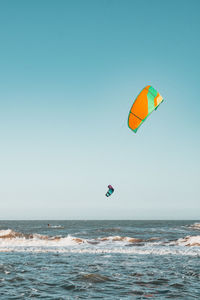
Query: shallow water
x=100, y=260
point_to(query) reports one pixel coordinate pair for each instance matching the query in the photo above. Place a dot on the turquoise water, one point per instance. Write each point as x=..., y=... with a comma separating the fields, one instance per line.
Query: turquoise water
x=99, y=260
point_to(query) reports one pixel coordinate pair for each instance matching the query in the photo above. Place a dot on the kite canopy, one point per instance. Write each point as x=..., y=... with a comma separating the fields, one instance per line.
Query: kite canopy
x=147, y=101
x=110, y=191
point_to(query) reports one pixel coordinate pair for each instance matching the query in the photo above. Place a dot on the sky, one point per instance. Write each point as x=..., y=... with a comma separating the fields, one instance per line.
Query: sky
x=69, y=73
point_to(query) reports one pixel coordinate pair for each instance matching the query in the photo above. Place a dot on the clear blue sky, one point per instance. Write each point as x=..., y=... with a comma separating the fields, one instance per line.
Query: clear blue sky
x=69, y=72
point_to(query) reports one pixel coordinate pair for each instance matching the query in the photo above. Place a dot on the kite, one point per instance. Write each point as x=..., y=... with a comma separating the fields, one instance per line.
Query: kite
x=146, y=102
x=110, y=191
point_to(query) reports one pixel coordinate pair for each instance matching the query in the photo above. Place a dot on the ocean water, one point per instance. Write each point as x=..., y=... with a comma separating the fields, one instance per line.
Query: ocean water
x=99, y=260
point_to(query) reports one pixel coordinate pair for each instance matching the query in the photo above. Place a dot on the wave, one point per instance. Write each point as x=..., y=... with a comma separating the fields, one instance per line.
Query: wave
x=133, y=251
x=56, y=226
x=12, y=241
x=195, y=226
x=10, y=234
x=189, y=241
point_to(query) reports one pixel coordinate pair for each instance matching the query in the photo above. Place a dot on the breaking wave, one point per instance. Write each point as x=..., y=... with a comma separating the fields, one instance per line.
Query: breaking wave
x=12, y=241
x=189, y=241
x=195, y=226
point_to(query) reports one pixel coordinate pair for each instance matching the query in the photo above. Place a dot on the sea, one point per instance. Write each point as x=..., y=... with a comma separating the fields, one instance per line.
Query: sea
x=99, y=259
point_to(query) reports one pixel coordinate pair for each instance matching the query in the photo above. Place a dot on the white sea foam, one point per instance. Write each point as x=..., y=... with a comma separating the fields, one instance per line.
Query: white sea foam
x=195, y=226
x=189, y=241
x=11, y=241
x=5, y=232
x=133, y=251
x=56, y=226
